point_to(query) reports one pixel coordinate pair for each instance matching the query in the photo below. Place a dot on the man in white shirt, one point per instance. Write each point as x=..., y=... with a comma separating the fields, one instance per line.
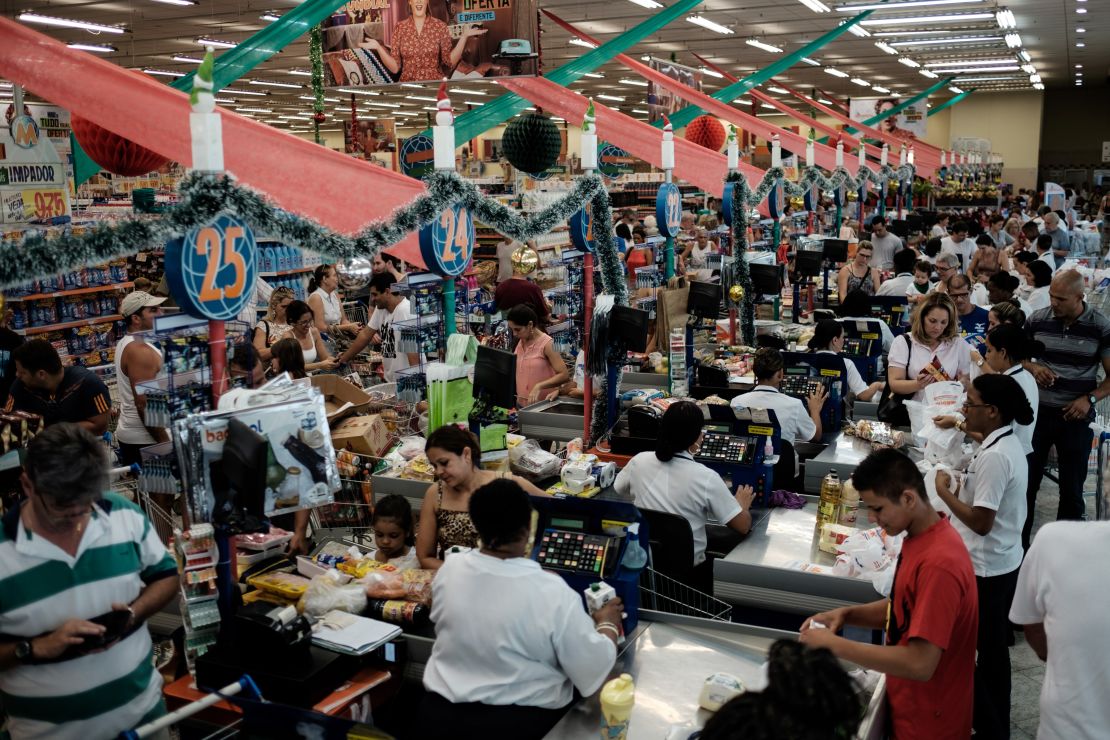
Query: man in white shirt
x=884, y=244
x=959, y=245
x=391, y=308
x=940, y=228
x=1064, y=612
x=1045, y=251
x=799, y=422
x=904, y=261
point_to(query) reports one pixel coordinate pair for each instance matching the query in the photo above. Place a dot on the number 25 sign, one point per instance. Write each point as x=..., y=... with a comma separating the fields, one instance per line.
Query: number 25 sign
x=211, y=272
x=447, y=243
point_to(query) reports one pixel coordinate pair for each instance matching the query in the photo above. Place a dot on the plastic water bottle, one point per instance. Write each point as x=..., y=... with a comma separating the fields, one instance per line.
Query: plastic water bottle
x=768, y=452
x=635, y=556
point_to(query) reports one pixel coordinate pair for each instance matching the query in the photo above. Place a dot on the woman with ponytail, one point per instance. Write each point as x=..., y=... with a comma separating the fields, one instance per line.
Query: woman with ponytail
x=828, y=339
x=323, y=299
x=670, y=480
x=988, y=506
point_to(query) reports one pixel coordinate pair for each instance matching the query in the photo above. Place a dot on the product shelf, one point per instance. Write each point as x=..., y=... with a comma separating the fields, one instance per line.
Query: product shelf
x=74, y=291
x=282, y=273
x=67, y=325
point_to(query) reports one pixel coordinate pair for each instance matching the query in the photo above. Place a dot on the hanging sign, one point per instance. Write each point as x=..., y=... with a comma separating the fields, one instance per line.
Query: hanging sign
x=448, y=242
x=776, y=200
x=417, y=156
x=668, y=209
x=726, y=202
x=34, y=181
x=211, y=272
x=612, y=161
x=582, y=230
x=812, y=198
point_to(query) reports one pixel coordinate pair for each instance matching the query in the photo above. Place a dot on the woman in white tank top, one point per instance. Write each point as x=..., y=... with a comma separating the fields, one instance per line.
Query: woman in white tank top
x=316, y=354
x=323, y=299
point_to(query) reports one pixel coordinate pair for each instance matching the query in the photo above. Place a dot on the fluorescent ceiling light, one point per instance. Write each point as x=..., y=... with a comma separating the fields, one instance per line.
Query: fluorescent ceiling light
x=1028, y=69
x=1081, y=30
x=300, y=72
x=927, y=73
x=1038, y=87
x=816, y=6
x=1013, y=41
x=822, y=101
x=217, y=43
x=856, y=30
x=48, y=20
x=836, y=72
x=955, y=89
x=701, y=20
x=610, y=97
x=861, y=82
x=421, y=97
x=253, y=110
x=914, y=32
x=1034, y=79
x=899, y=6
x=955, y=40
x=357, y=91
x=951, y=18
x=177, y=2
x=187, y=59
x=473, y=102
x=1025, y=56
x=579, y=42
x=1079, y=44
x=811, y=62
x=886, y=47
x=637, y=83
x=970, y=63
x=711, y=73
x=778, y=90
x=880, y=89
x=313, y=99
x=908, y=62
x=595, y=75
x=988, y=79
x=271, y=83
x=639, y=110
x=1005, y=19
x=430, y=107
x=233, y=91
x=1081, y=11
x=649, y=4
x=95, y=48
x=384, y=105
x=223, y=101
x=409, y=84
x=761, y=45
x=768, y=107
x=163, y=73
x=268, y=16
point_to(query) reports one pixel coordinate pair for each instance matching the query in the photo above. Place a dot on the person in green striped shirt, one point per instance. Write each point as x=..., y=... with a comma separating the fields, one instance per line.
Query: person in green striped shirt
x=69, y=553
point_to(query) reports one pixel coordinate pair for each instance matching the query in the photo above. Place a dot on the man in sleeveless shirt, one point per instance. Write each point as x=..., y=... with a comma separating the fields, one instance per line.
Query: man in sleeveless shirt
x=136, y=362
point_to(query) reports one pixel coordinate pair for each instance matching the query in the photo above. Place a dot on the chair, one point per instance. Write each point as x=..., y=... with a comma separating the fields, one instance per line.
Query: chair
x=785, y=478
x=671, y=544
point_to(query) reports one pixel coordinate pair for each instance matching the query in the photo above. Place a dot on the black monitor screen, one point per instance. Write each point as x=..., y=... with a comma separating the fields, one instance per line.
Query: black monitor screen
x=495, y=377
x=766, y=279
x=628, y=328
x=808, y=262
x=915, y=224
x=836, y=250
x=900, y=228
x=704, y=300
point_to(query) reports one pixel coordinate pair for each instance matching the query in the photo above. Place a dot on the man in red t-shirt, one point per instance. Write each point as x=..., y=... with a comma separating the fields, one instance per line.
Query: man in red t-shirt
x=931, y=618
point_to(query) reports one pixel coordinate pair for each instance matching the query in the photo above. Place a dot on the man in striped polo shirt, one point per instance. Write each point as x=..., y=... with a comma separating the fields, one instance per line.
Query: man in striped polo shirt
x=1077, y=340
x=69, y=553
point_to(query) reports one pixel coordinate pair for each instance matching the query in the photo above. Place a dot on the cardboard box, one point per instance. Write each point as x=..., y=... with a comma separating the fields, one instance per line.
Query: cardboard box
x=341, y=398
x=365, y=435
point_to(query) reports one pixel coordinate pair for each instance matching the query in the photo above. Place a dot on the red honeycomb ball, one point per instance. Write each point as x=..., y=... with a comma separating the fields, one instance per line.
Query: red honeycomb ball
x=114, y=153
x=706, y=131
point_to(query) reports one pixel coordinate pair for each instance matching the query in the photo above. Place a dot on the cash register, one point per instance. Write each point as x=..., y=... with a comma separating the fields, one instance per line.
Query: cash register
x=808, y=371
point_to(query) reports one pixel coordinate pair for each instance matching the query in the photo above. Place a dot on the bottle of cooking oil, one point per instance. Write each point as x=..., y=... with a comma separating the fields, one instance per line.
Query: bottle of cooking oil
x=828, y=508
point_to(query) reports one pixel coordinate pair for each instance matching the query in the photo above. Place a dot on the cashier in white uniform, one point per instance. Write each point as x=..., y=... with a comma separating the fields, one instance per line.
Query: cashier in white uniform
x=799, y=422
x=828, y=339
x=513, y=641
x=670, y=480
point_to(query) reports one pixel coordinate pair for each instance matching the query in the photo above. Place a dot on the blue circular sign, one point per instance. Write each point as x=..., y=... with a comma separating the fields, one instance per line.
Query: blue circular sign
x=417, y=156
x=776, y=199
x=211, y=272
x=668, y=209
x=582, y=230
x=447, y=243
x=612, y=161
x=24, y=131
x=812, y=197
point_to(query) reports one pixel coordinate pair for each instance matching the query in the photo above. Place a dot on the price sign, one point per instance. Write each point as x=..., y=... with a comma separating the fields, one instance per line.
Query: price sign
x=668, y=209
x=448, y=242
x=211, y=272
x=43, y=204
x=11, y=207
x=582, y=230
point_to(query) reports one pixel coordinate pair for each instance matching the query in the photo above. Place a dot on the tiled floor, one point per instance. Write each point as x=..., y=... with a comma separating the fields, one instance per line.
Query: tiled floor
x=1026, y=669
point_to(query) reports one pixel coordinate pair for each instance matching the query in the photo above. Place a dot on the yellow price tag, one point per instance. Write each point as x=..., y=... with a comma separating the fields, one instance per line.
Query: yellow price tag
x=764, y=431
x=44, y=203
x=830, y=373
x=869, y=335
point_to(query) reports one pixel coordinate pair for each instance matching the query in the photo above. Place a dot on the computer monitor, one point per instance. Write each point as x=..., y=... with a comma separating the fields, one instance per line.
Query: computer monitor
x=495, y=377
x=628, y=328
x=915, y=223
x=836, y=250
x=766, y=279
x=808, y=262
x=705, y=300
x=899, y=227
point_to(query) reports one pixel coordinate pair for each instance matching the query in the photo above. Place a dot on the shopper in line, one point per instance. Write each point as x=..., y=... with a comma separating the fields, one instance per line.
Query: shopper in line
x=539, y=366
x=1002, y=287
x=809, y=696
x=389, y=308
x=940, y=228
x=327, y=309
x=1042, y=278
x=972, y=318
x=959, y=245
x=1062, y=601
x=137, y=361
x=997, y=233
x=58, y=394
x=287, y=356
x=1061, y=240
x=519, y=290
x=931, y=350
x=1044, y=251
x=70, y=553
x=1006, y=312
x=884, y=245
x=388, y=264
x=922, y=283
x=275, y=325
x=828, y=339
x=931, y=617
x=987, y=260
x=444, y=519
x=858, y=274
x=988, y=511
x=1076, y=338
x=669, y=479
x=904, y=260
x=513, y=641
x=304, y=332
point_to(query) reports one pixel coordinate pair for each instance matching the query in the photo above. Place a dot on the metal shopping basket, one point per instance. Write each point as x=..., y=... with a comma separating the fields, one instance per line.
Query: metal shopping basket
x=664, y=594
x=354, y=501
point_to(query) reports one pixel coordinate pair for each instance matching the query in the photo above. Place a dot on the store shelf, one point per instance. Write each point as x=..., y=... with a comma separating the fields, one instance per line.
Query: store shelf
x=67, y=325
x=75, y=291
x=281, y=273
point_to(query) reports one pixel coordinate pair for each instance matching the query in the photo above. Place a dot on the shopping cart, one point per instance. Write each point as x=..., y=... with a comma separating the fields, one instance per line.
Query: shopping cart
x=664, y=594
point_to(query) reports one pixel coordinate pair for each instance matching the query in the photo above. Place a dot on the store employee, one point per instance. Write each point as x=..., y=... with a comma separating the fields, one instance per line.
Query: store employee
x=799, y=422
x=74, y=394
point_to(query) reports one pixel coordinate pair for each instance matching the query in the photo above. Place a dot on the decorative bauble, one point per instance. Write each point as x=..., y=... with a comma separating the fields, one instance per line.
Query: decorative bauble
x=114, y=153
x=853, y=196
x=706, y=131
x=531, y=143
x=798, y=202
x=525, y=260
x=319, y=117
x=736, y=293
x=355, y=273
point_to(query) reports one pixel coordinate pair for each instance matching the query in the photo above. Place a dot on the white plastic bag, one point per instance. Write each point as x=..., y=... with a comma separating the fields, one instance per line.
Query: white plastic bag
x=324, y=593
x=530, y=460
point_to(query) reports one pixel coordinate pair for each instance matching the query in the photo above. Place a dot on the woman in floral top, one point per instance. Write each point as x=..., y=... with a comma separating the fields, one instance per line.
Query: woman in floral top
x=421, y=48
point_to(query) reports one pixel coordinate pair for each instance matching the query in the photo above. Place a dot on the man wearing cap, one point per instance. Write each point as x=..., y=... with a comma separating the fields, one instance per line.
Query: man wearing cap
x=136, y=362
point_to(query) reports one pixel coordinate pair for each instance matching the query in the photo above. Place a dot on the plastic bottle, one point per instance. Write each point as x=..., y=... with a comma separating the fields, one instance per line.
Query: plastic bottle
x=618, y=696
x=399, y=612
x=828, y=508
x=849, y=504
x=768, y=452
x=635, y=556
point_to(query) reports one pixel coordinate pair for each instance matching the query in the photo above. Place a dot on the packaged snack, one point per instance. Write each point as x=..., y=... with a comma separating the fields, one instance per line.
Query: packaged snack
x=286, y=585
x=418, y=585
x=383, y=584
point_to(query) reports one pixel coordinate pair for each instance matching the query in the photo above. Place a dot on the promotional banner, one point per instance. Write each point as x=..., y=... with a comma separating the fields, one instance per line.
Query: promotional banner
x=661, y=101
x=908, y=125
x=34, y=182
x=53, y=123
x=382, y=42
x=364, y=138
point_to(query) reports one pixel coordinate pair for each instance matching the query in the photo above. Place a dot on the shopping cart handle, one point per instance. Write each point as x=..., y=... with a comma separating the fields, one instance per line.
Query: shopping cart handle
x=132, y=468
x=246, y=683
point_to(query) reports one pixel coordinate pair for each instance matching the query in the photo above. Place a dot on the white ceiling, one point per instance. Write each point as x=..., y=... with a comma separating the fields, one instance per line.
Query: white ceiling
x=1048, y=31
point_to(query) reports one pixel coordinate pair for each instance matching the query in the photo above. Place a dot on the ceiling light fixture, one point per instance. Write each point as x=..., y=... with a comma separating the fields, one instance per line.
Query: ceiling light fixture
x=769, y=107
x=270, y=83
x=187, y=59
x=48, y=20
x=956, y=40
x=701, y=20
x=836, y=72
x=639, y=110
x=823, y=101
x=880, y=89
x=1013, y=41
x=857, y=30
x=1081, y=30
x=163, y=73
x=811, y=62
x=1078, y=74
x=177, y=2
x=861, y=82
x=886, y=47
x=987, y=79
x=253, y=110
x=217, y=43
x=778, y=90
x=420, y=97
x=816, y=6
x=649, y=4
x=637, y=83
x=970, y=63
x=711, y=73
x=313, y=98
x=1034, y=79
x=1038, y=86
x=899, y=6
x=95, y=48
x=595, y=75
x=269, y=16
x=913, y=20
x=761, y=45
x=616, y=98
x=1081, y=11
x=1078, y=66
x=580, y=42
x=1028, y=69
x=971, y=70
x=357, y=91
x=473, y=102
x=1005, y=19
x=300, y=72
x=927, y=73
x=233, y=91
x=908, y=62
x=955, y=89
x=223, y=101
x=1079, y=44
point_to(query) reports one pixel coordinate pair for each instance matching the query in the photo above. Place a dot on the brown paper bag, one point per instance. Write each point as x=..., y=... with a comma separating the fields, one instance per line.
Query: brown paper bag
x=670, y=309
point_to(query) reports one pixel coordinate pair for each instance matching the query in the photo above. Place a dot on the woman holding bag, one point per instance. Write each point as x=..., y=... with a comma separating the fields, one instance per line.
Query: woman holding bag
x=931, y=350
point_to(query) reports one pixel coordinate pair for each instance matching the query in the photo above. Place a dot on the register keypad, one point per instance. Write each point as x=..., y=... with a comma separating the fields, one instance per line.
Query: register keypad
x=573, y=551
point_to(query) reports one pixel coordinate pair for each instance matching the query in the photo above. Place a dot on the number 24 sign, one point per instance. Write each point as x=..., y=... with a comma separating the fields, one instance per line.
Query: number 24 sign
x=211, y=272
x=447, y=243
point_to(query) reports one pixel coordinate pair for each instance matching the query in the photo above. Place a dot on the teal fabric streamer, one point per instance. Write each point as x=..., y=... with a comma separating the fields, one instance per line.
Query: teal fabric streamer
x=950, y=102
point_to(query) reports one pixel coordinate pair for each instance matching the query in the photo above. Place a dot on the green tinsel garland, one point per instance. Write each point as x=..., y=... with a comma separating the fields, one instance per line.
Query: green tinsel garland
x=316, y=57
x=738, y=272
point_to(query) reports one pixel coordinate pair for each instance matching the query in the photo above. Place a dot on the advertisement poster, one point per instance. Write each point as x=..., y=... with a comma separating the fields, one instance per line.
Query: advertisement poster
x=53, y=123
x=34, y=181
x=365, y=138
x=381, y=42
x=662, y=101
x=909, y=124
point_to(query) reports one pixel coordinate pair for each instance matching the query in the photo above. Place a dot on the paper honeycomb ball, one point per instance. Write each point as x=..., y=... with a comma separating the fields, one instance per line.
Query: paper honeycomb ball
x=114, y=153
x=706, y=131
x=532, y=143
